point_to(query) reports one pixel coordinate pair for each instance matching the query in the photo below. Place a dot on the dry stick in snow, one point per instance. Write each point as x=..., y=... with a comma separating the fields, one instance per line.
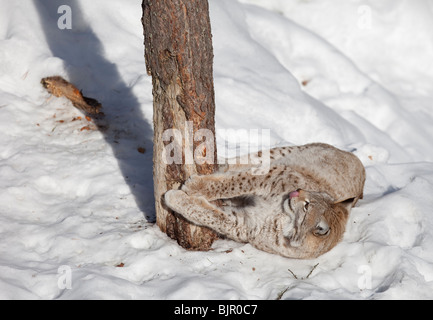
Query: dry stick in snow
x=59, y=87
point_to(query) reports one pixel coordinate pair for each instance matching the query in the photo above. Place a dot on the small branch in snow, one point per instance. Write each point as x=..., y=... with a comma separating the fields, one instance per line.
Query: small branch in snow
x=312, y=269
x=281, y=294
x=59, y=87
x=294, y=275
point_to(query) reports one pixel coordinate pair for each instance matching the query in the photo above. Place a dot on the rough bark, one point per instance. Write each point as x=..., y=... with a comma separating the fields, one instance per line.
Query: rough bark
x=179, y=57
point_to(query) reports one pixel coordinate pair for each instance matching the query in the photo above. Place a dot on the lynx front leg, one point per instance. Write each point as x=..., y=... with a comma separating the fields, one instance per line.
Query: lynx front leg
x=199, y=211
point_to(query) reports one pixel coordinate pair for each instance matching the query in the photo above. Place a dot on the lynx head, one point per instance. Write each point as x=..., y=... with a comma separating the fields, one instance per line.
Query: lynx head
x=317, y=221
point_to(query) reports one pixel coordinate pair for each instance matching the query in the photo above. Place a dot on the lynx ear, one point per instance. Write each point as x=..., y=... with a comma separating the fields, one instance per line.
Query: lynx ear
x=346, y=203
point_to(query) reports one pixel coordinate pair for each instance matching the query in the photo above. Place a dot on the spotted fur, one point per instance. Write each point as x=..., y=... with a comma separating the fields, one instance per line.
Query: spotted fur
x=298, y=208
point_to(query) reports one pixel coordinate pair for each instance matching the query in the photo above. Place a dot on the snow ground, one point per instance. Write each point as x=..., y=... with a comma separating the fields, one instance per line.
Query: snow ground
x=76, y=205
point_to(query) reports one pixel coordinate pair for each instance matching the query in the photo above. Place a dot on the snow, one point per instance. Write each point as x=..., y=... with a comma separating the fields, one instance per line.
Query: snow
x=76, y=206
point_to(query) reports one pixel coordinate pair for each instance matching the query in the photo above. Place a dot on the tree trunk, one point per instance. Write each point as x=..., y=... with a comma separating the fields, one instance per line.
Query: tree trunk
x=179, y=57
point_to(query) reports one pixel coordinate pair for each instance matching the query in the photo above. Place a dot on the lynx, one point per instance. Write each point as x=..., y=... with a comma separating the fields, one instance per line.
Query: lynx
x=298, y=209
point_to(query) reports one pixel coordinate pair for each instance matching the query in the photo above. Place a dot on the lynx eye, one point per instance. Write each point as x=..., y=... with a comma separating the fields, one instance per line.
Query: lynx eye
x=306, y=205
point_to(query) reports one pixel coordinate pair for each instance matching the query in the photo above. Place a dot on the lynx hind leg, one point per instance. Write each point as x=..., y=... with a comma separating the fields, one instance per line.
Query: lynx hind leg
x=238, y=164
x=225, y=185
x=212, y=186
x=200, y=212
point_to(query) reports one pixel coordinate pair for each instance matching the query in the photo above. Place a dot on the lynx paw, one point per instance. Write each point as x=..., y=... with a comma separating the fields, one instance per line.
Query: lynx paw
x=194, y=186
x=174, y=199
